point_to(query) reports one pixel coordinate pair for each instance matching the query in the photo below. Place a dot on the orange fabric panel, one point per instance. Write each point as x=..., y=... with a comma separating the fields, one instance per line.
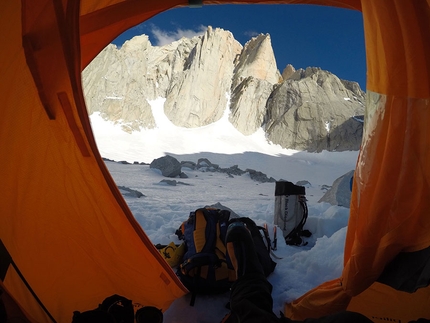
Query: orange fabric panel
x=381, y=303
x=14, y=310
x=391, y=193
x=44, y=53
x=62, y=219
x=88, y=6
x=21, y=301
x=325, y=299
x=397, y=37
x=390, y=200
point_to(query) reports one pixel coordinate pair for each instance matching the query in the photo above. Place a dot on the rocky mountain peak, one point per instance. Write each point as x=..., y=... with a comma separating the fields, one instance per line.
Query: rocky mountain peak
x=257, y=59
x=204, y=81
x=201, y=77
x=288, y=71
x=313, y=110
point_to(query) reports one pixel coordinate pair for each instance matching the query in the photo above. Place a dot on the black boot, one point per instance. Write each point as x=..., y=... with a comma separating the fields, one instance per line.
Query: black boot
x=241, y=250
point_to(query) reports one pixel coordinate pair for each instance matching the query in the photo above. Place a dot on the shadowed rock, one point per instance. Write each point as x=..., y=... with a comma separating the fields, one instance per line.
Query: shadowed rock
x=168, y=165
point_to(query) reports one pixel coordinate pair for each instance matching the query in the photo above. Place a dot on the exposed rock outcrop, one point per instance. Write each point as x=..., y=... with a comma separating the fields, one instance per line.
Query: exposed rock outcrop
x=168, y=165
x=206, y=76
x=313, y=110
x=255, y=74
x=204, y=82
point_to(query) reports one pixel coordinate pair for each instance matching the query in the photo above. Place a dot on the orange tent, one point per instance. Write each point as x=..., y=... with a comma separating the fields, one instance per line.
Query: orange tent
x=67, y=237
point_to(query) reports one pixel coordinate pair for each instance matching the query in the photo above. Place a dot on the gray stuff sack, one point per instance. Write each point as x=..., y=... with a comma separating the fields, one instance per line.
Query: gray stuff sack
x=291, y=212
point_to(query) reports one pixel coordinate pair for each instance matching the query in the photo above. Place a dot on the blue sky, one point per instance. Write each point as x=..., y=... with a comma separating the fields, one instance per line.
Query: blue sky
x=302, y=35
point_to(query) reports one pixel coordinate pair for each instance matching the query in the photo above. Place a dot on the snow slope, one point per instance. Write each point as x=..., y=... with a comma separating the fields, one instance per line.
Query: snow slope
x=164, y=207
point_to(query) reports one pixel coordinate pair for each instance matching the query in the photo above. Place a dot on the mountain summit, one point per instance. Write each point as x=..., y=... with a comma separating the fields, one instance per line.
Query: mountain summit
x=305, y=109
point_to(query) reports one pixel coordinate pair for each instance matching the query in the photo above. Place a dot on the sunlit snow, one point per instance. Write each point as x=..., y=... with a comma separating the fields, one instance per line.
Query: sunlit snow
x=164, y=207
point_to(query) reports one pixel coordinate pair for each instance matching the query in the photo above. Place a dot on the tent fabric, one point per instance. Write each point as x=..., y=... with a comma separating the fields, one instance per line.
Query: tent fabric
x=68, y=237
x=391, y=189
x=63, y=220
x=390, y=305
x=389, y=204
x=408, y=271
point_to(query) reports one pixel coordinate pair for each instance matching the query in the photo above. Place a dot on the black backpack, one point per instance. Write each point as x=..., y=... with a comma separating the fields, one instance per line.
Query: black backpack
x=119, y=309
x=113, y=309
x=206, y=267
x=262, y=244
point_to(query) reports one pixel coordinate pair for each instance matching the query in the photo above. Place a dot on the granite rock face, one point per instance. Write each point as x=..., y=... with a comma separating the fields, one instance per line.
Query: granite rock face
x=204, y=81
x=206, y=77
x=313, y=110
